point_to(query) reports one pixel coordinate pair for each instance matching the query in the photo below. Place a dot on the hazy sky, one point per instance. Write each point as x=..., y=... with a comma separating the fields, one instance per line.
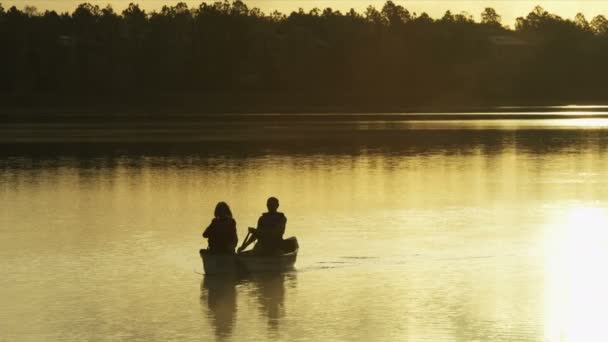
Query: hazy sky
x=509, y=9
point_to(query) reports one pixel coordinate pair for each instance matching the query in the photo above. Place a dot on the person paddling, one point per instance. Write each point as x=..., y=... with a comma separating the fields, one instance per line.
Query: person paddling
x=221, y=233
x=270, y=230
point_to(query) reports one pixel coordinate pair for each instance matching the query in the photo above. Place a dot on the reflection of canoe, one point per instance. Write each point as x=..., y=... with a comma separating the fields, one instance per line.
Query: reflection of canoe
x=250, y=261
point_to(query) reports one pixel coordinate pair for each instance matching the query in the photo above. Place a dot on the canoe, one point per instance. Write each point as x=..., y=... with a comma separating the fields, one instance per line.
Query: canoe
x=218, y=263
x=285, y=261
x=250, y=261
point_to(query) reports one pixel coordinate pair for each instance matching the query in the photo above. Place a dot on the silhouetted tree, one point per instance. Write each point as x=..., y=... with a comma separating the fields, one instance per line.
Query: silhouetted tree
x=490, y=17
x=599, y=24
x=448, y=17
x=227, y=54
x=395, y=14
x=30, y=11
x=582, y=22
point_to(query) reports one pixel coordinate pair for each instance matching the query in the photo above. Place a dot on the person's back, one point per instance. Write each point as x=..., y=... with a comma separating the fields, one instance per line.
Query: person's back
x=271, y=227
x=221, y=233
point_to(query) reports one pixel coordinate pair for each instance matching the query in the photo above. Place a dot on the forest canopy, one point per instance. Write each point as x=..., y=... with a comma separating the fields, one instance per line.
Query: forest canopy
x=225, y=53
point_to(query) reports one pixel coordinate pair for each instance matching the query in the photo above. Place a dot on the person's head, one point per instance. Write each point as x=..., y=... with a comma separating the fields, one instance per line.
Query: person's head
x=272, y=204
x=222, y=210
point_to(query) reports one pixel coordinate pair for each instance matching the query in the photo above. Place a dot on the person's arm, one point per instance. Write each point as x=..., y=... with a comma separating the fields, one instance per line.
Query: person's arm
x=249, y=239
x=282, y=226
x=255, y=233
x=209, y=229
x=234, y=237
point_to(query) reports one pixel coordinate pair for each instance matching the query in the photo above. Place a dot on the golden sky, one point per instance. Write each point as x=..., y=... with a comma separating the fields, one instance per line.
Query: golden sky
x=509, y=9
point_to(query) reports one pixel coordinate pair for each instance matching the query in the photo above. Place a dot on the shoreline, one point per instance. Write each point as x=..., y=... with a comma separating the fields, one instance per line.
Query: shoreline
x=146, y=113
x=211, y=105
x=130, y=118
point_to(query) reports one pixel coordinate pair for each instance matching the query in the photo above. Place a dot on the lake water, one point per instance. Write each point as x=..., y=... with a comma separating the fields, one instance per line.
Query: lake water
x=426, y=230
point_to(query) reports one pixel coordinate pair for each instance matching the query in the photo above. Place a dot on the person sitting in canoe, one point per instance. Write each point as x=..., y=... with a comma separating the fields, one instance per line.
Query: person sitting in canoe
x=221, y=233
x=271, y=227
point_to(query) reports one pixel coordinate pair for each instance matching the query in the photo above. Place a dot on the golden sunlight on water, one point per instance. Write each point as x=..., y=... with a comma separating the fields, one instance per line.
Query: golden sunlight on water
x=586, y=123
x=415, y=231
x=577, y=301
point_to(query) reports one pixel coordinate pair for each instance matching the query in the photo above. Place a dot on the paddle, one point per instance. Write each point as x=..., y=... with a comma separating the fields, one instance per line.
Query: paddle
x=248, y=240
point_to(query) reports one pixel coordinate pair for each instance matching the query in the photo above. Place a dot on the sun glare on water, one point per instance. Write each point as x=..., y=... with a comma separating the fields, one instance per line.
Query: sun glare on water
x=586, y=123
x=576, y=279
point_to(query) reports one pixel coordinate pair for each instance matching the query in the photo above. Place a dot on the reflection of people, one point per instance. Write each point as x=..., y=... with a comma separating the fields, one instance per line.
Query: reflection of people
x=270, y=292
x=221, y=233
x=271, y=227
x=221, y=301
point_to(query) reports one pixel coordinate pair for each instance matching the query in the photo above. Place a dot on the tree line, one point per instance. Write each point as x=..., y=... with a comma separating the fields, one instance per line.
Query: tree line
x=226, y=54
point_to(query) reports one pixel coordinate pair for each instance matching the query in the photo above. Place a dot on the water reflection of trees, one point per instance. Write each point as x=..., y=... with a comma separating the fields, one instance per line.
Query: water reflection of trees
x=308, y=141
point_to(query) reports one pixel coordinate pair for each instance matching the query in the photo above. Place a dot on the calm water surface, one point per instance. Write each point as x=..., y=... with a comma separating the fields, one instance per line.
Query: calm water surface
x=482, y=230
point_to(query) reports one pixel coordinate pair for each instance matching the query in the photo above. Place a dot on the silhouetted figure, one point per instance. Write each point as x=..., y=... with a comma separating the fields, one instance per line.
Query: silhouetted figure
x=271, y=227
x=221, y=233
